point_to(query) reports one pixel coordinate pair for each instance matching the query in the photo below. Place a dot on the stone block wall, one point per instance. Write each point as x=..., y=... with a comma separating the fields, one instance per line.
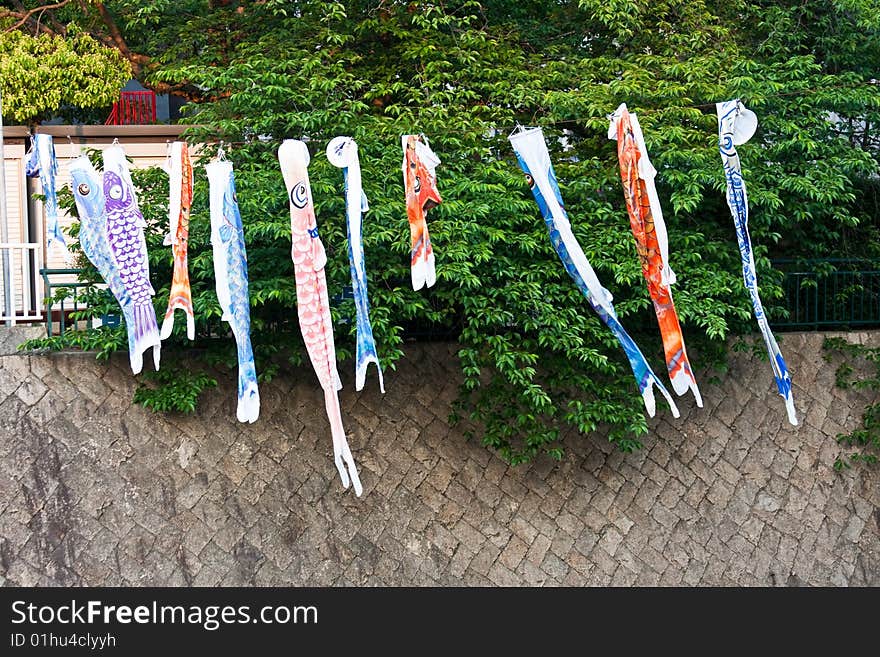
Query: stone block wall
x=97, y=491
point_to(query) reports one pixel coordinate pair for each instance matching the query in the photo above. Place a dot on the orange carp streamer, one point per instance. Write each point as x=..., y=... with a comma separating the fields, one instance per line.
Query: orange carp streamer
x=180, y=173
x=419, y=163
x=652, y=244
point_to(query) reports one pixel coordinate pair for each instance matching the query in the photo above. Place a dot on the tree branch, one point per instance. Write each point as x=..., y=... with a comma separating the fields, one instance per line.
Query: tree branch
x=59, y=27
x=29, y=13
x=118, y=40
x=38, y=27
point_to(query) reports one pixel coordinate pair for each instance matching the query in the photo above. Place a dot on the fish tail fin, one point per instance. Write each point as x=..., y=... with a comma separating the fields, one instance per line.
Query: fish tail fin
x=789, y=407
x=167, y=325
x=361, y=373
x=366, y=354
x=54, y=234
x=421, y=256
x=681, y=374
x=248, y=400
x=423, y=272
x=418, y=275
x=185, y=304
x=341, y=452
x=683, y=380
x=783, y=383
x=644, y=375
x=146, y=335
x=648, y=397
x=135, y=358
x=418, y=269
x=679, y=367
x=248, y=393
x=430, y=271
x=780, y=371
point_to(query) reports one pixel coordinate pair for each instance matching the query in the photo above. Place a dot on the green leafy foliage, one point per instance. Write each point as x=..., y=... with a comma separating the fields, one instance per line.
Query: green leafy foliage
x=41, y=74
x=535, y=360
x=103, y=340
x=851, y=373
x=172, y=389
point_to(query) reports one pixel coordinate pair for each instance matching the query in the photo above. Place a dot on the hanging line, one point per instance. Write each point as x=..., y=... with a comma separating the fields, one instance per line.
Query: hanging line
x=77, y=145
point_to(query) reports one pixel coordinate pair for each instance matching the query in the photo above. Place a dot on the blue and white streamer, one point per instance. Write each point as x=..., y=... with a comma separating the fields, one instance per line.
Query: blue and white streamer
x=41, y=162
x=736, y=125
x=343, y=153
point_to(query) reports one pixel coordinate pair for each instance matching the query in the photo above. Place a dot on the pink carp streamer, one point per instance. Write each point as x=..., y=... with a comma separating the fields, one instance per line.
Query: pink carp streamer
x=313, y=304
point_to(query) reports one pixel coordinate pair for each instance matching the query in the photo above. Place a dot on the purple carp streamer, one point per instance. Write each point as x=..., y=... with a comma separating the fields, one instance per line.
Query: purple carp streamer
x=736, y=125
x=41, y=162
x=652, y=243
x=534, y=159
x=125, y=235
x=343, y=153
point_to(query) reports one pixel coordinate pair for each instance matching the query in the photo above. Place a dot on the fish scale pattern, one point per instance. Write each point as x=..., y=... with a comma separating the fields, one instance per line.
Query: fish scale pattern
x=126, y=239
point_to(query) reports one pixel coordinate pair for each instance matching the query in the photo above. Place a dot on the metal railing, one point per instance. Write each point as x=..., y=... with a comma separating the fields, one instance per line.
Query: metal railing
x=62, y=302
x=57, y=295
x=133, y=108
x=21, y=261
x=830, y=293
x=818, y=294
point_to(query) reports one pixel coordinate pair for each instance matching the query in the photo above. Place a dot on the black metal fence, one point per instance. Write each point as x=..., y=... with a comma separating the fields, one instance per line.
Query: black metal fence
x=830, y=293
x=62, y=302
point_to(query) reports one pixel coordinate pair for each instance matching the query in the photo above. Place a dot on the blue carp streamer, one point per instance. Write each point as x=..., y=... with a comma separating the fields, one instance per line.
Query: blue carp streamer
x=231, y=274
x=343, y=153
x=41, y=162
x=736, y=125
x=88, y=192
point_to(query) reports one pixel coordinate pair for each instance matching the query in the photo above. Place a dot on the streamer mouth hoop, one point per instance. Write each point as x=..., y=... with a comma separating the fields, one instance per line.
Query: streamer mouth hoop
x=337, y=151
x=744, y=125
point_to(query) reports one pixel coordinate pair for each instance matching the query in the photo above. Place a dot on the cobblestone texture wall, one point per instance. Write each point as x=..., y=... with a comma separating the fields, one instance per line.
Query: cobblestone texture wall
x=96, y=491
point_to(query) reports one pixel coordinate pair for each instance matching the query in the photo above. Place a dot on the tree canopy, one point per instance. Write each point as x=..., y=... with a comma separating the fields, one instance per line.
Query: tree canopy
x=535, y=359
x=42, y=74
